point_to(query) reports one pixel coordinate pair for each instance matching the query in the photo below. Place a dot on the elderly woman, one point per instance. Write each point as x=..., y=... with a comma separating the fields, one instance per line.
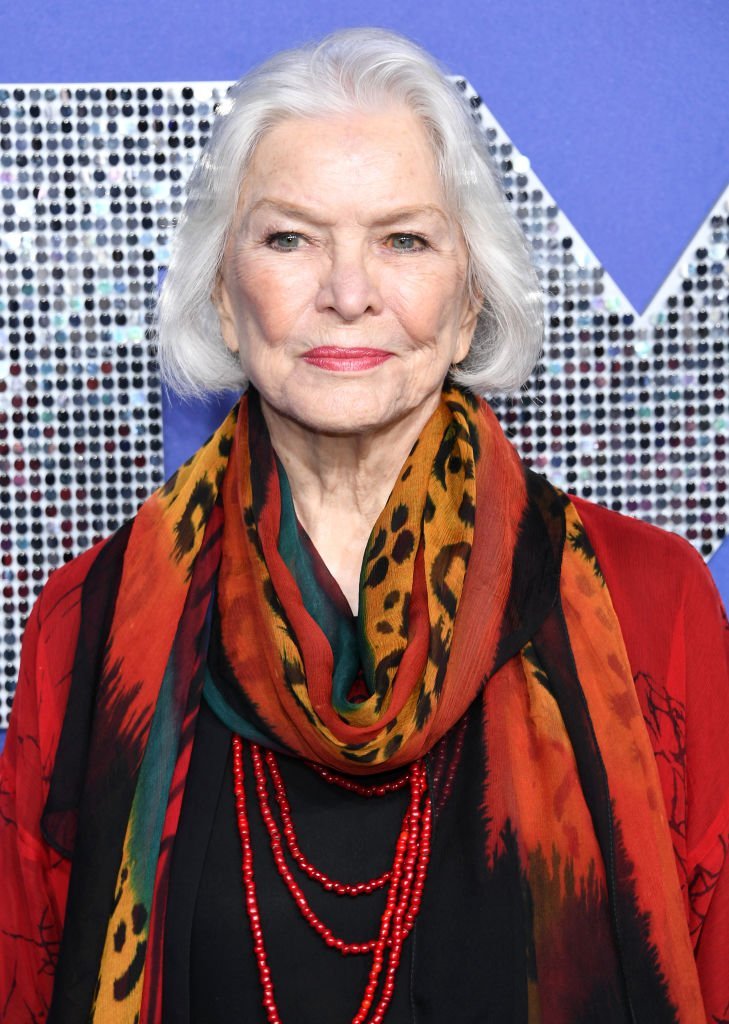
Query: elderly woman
x=360, y=719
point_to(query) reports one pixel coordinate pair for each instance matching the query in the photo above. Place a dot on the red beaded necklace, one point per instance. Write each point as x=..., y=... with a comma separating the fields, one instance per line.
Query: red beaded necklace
x=405, y=880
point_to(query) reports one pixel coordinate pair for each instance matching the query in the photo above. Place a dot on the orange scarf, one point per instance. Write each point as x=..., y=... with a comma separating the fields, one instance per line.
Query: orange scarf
x=479, y=593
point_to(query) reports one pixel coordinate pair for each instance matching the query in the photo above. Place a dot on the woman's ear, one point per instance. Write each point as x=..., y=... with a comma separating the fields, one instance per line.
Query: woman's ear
x=224, y=307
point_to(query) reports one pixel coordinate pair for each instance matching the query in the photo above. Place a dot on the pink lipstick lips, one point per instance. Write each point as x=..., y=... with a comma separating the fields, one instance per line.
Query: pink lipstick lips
x=345, y=360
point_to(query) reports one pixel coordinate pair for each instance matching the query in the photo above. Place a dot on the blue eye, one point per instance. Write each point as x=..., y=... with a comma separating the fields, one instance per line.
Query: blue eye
x=407, y=243
x=284, y=240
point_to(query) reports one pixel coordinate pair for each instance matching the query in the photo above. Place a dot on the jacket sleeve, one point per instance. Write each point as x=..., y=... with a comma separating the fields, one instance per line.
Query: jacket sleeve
x=707, y=784
x=34, y=877
x=677, y=640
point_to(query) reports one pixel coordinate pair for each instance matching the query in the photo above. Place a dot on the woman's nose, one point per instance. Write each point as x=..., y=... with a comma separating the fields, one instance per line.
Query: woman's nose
x=348, y=285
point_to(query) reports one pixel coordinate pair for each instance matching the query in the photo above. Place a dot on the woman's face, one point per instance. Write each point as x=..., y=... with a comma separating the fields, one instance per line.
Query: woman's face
x=343, y=285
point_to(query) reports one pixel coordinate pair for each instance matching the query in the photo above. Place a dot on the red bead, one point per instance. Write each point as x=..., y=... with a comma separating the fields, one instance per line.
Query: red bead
x=289, y=833
x=358, y=787
x=405, y=880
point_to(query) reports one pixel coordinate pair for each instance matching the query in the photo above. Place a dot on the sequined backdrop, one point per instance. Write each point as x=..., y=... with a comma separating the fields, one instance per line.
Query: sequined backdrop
x=627, y=409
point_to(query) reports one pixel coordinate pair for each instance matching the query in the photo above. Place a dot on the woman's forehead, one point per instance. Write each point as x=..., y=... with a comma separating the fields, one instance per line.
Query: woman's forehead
x=383, y=157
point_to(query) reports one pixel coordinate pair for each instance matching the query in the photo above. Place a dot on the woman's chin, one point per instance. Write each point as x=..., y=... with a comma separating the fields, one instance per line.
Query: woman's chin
x=345, y=408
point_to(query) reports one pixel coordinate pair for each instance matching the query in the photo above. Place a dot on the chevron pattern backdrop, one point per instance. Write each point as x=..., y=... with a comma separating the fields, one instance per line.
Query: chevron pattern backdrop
x=627, y=408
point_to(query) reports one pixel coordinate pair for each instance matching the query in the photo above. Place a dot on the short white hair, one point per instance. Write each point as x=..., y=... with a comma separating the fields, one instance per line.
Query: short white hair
x=350, y=70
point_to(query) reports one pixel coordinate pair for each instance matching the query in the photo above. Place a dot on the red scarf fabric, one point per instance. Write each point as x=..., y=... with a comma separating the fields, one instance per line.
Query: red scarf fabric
x=479, y=591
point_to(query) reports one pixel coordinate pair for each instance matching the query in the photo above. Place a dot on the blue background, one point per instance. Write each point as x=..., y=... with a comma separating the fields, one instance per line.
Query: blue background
x=621, y=105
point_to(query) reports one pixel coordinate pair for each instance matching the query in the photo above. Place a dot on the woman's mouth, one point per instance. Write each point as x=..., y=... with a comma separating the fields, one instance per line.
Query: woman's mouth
x=345, y=360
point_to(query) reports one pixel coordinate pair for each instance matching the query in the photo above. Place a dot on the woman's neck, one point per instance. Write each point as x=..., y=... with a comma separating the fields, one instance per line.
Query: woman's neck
x=340, y=484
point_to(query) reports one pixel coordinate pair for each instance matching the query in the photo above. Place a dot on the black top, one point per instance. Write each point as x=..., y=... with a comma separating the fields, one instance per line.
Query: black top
x=208, y=940
x=467, y=960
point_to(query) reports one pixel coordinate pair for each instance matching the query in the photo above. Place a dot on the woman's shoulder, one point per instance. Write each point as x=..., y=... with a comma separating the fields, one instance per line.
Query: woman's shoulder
x=645, y=565
x=52, y=629
x=664, y=596
x=62, y=590
x=626, y=541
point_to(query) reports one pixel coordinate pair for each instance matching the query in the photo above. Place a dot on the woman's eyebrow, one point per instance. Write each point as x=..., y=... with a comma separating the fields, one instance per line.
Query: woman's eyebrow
x=408, y=213
x=289, y=210
x=399, y=215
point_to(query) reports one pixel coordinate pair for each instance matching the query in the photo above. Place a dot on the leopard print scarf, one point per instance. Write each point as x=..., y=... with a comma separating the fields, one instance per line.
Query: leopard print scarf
x=478, y=584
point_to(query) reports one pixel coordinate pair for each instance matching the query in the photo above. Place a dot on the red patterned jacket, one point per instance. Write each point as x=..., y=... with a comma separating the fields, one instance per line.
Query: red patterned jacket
x=678, y=644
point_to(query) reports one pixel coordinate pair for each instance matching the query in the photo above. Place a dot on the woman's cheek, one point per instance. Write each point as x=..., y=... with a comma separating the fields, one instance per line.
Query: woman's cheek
x=419, y=310
x=267, y=305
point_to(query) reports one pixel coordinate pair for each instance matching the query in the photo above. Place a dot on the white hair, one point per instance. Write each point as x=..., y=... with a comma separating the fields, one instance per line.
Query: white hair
x=353, y=69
